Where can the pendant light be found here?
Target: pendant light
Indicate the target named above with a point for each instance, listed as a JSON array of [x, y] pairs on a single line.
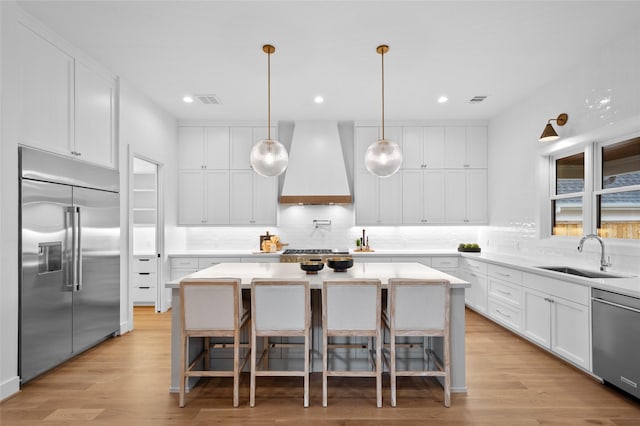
[[383, 157], [269, 157]]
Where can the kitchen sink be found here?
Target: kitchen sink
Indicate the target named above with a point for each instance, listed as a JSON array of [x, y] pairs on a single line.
[[581, 272]]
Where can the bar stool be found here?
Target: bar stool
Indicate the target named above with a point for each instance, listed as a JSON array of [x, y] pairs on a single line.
[[280, 308], [211, 308], [420, 308], [351, 308]]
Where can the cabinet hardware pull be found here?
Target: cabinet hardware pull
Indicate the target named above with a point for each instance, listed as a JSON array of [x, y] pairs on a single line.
[[606, 302], [144, 273], [143, 260], [508, 293], [145, 287], [502, 313], [503, 275]]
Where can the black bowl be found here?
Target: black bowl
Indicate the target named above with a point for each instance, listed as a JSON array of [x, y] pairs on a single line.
[[340, 264], [311, 266]]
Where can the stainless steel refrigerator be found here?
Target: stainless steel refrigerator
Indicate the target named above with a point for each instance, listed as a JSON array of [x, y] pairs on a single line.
[[70, 259]]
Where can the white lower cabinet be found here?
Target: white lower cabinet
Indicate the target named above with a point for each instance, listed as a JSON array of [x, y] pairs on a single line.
[[556, 316], [505, 296], [475, 273], [144, 286]]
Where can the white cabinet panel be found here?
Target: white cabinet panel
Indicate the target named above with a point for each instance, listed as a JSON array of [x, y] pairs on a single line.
[[477, 147], [190, 199], [264, 200], [190, 148], [216, 153], [365, 136], [422, 197], [46, 94], [390, 199], [455, 147], [455, 196], [241, 142], [433, 154], [423, 147], [537, 317], [412, 148], [433, 196], [366, 199], [94, 117], [378, 200], [570, 331], [216, 195], [184, 263], [241, 198]]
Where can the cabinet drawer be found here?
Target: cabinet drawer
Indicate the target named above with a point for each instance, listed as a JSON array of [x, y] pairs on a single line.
[[184, 262], [505, 291], [570, 291], [144, 279], [144, 264], [505, 314], [144, 295], [205, 262], [444, 262], [474, 265], [505, 274], [180, 273]]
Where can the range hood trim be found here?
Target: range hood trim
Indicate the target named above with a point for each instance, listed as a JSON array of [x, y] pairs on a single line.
[[316, 199]]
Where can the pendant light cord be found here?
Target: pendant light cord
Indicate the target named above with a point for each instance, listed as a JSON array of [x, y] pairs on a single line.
[[269, 96], [382, 54]]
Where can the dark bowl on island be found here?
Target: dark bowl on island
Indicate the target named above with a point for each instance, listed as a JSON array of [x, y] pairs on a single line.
[[340, 264], [312, 266]]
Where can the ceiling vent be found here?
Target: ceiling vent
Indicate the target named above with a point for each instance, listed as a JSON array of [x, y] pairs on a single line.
[[208, 99], [477, 99]]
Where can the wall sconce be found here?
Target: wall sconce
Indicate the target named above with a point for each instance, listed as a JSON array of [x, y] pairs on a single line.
[[549, 133]]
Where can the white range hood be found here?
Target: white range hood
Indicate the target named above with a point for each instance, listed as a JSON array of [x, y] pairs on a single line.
[[316, 173]]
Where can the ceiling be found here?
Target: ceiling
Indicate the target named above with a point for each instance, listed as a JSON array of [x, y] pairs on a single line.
[[503, 50]]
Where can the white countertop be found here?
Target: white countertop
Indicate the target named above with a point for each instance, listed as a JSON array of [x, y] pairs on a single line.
[[361, 270], [244, 253], [629, 286]]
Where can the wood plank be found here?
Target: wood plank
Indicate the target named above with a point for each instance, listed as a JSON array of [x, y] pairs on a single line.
[[125, 381]]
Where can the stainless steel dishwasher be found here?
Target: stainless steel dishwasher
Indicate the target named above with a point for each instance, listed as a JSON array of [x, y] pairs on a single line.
[[616, 339]]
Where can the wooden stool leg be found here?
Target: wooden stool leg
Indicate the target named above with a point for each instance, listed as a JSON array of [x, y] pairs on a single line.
[[183, 367], [392, 368], [252, 384], [379, 369], [324, 370], [307, 353]]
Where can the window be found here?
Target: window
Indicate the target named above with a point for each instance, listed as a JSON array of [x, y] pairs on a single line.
[[567, 199], [618, 190], [597, 190]]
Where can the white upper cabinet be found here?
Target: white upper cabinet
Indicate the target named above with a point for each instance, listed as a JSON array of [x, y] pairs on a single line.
[[466, 196], [242, 139], [66, 106], [423, 147], [378, 200], [253, 198], [94, 112], [203, 148], [466, 147], [422, 197], [46, 94]]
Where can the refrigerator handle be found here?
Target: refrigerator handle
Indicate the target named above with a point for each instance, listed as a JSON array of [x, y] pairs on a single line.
[[69, 275], [78, 254]]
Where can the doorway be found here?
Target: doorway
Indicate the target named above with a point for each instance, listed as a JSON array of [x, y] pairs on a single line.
[[147, 235]]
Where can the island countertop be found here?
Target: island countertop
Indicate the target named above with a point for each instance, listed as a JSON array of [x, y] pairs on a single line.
[[382, 271]]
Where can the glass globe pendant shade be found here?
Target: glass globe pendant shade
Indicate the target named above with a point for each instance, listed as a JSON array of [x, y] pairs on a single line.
[[383, 158], [269, 158]]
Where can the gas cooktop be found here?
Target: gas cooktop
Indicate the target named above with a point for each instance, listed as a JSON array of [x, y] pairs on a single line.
[[315, 251]]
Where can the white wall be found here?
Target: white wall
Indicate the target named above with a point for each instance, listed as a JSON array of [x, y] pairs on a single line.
[[517, 167], [145, 127], [9, 381], [150, 132]]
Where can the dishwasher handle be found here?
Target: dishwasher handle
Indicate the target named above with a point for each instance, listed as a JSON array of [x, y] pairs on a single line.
[[617, 305]]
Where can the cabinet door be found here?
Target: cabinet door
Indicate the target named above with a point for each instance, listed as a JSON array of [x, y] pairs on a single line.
[[46, 94], [390, 199], [191, 148], [455, 147], [365, 136], [216, 147], [241, 141], [433, 147], [570, 331], [479, 286], [455, 196], [217, 197], [366, 198], [265, 200], [412, 138], [433, 193], [537, 317], [94, 124], [477, 147], [412, 197], [191, 200], [241, 197], [476, 196]]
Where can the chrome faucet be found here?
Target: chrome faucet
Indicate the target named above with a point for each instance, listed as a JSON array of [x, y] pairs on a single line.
[[603, 263]]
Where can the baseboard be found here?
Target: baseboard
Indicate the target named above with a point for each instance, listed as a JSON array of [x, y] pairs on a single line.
[[9, 388]]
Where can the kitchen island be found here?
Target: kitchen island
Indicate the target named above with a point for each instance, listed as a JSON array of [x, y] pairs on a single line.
[[382, 271]]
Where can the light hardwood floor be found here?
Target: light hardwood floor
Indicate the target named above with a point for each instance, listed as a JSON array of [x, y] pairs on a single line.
[[125, 381]]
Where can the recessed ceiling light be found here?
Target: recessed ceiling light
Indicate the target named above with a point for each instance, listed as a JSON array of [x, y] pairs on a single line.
[[318, 99], [442, 99], [188, 99]]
